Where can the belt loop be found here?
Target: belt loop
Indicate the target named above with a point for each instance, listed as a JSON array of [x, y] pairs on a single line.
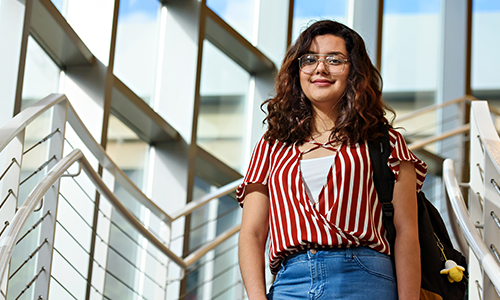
[[349, 253]]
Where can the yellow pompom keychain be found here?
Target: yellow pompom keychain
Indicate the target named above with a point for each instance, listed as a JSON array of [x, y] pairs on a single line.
[[455, 272]]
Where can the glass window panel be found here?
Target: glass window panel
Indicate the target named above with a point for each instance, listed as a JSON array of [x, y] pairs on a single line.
[[59, 4], [410, 52], [41, 76], [239, 14], [305, 11], [485, 44], [131, 264], [410, 61], [92, 21], [137, 46], [222, 117]]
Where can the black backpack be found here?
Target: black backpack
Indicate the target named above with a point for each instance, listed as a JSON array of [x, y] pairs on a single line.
[[433, 235]]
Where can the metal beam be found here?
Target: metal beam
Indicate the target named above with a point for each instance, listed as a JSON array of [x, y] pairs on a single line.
[[139, 116], [235, 46], [51, 30]]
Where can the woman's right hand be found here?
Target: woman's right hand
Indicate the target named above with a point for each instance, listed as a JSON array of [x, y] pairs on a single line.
[[252, 240]]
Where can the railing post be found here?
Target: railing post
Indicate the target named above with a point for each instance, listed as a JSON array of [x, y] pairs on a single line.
[[50, 200], [12, 156]]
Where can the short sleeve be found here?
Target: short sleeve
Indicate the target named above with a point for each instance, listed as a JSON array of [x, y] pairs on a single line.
[[258, 169], [400, 152]]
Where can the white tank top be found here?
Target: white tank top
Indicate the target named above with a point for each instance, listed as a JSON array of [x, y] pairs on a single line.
[[314, 174]]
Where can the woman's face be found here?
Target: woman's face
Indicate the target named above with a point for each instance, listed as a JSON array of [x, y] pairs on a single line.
[[322, 87]]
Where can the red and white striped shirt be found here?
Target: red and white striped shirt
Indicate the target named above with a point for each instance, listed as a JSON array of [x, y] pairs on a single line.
[[348, 213]]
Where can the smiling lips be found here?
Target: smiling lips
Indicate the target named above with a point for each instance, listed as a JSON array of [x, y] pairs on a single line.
[[322, 82]]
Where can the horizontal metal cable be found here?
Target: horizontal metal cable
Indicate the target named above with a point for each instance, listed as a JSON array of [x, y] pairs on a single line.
[[6, 224], [10, 192], [42, 141], [227, 212], [105, 270], [431, 126], [494, 250], [88, 283], [226, 289], [204, 243], [39, 169], [64, 288], [33, 227], [210, 280], [135, 267], [480, 142], [198, 266], [206, 222], [78, 272], [83, 190], [29, 258], [71, 146], [114, 250], [75, 210], [114, 224], [8, 167], [30, 283], [495, 218]]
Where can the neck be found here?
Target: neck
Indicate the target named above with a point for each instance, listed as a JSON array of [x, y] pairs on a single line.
[[324, 119]]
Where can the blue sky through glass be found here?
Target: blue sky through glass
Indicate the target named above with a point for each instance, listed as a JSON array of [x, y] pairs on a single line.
[[318, 8], [145, 8], [485, 5], [398, 7]]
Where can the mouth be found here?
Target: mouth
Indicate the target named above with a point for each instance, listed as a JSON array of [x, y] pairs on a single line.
[[322, 82]]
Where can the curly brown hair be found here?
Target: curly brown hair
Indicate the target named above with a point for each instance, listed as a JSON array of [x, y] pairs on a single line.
[[361, 111]]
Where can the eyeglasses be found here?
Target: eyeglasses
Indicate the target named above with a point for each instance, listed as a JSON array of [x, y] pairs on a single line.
[[333, 63]]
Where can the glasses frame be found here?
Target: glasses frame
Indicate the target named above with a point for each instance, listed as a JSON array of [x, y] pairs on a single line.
[[327, 66]]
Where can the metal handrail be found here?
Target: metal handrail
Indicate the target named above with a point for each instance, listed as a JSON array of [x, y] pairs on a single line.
[[25, 117], [10, 237], [484, 256], [430, 108], [432, 139]]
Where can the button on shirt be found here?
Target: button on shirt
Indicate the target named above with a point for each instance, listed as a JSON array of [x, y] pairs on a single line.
[[347, 214]]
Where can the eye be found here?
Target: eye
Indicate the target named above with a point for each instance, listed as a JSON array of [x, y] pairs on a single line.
[[309, 59], [334, 60]]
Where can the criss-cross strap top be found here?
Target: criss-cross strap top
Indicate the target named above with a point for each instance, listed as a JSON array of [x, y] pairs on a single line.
[[327, 145]]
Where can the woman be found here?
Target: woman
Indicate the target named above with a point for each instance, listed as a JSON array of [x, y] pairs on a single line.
[[309, 184]]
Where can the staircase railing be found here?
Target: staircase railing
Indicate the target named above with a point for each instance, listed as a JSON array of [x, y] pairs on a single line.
[[41, 207], [479, 222]]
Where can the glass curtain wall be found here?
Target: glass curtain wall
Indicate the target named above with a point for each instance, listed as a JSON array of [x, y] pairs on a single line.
[[410, 72], [239, 14], [222, 117], [485, 78], [137, 43], [306, 11], [216, 275], [41, 78]]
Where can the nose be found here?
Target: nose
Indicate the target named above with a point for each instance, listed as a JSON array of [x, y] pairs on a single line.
[[322, 67]]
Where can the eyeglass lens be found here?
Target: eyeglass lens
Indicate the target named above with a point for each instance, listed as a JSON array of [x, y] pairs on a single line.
[[309, 63]]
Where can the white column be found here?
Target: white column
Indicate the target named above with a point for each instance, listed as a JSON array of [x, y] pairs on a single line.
[[11, 31], [452, 72], [363, 18]]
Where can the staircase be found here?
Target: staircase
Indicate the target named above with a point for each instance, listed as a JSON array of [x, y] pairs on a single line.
[[58, 240]]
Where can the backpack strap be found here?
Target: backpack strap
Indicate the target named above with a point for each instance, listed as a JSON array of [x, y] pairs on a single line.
[[383, 178]]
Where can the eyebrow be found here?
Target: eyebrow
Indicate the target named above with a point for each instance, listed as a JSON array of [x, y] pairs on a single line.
[[329, 53]]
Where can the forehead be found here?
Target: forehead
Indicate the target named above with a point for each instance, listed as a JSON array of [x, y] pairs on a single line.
[[328, 43]]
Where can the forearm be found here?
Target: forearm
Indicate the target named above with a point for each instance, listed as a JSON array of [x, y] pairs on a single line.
[[407, 257], [251, 259]]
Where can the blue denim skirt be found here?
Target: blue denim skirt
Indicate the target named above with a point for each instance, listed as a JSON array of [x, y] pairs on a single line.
[[349, 273]]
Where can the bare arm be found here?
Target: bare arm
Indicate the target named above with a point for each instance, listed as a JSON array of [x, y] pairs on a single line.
[[252, 240], [407, 250]]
